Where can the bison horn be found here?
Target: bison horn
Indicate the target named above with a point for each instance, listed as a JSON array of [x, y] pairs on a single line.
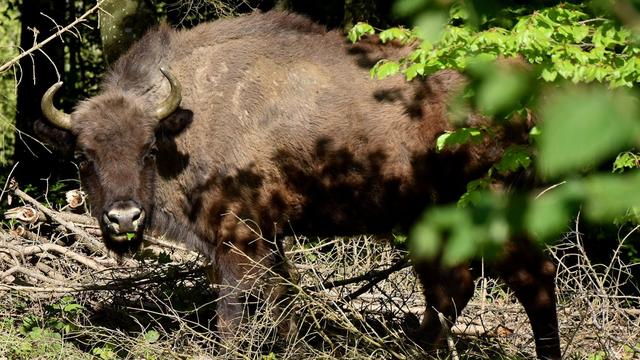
[[57, 117], [172, 102]]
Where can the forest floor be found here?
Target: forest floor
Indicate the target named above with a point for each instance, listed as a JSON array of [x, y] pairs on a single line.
[[63, 296]]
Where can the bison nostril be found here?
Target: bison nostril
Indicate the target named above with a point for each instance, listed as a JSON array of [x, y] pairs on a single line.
[[123, 219], [135, 214]]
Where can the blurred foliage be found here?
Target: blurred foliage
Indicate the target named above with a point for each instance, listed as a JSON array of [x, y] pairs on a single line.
[[580, 76], [9, 40]]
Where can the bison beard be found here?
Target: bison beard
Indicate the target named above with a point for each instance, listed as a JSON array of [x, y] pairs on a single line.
[[272, 119]]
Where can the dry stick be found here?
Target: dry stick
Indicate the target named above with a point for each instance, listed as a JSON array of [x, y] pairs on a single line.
[[117, 284], [38, 46], [89, 241], [373, 277], [79, 219], [49, 271], [30, 235], [450, 343], [35, 249], [38, 276], [376, 276]]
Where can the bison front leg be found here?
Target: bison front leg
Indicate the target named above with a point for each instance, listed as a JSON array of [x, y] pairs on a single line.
[[252, 278], [447, 292], [227, 274], [247, 284]]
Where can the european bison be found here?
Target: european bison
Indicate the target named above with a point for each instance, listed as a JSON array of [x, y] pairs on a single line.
[[244, 129]]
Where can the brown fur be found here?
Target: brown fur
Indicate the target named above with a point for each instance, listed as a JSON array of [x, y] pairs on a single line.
[[281, 124]]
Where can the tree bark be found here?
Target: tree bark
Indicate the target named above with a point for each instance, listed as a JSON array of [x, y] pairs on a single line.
[[122, 22]]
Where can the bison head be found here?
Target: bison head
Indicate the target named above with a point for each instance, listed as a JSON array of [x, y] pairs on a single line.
[[115, 147]]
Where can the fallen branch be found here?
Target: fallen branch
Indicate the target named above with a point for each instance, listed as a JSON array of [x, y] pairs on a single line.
[[88, 240], [36, 249]]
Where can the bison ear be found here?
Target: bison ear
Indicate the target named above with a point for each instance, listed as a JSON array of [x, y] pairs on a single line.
[[62, 141], [175, 123]]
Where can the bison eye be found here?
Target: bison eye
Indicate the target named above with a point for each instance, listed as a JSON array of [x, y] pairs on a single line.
[[81, 160], [152, 153]]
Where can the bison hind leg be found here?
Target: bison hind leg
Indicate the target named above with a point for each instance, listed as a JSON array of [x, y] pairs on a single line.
[[531, 276]]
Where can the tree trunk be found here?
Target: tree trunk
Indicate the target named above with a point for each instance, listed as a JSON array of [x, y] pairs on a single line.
[[122, 22], [39, 72]]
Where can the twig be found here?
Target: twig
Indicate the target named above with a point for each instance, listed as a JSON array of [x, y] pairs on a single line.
[[38, 46], [450, 344], [373, 277], [376, 276]]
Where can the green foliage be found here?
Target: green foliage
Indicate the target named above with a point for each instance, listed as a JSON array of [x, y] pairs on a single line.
[[105, 352], [579, 127], [41, 335], [583, 126], [151, 336], [9, 41], [566, 41], [59, 317], [396, 33]]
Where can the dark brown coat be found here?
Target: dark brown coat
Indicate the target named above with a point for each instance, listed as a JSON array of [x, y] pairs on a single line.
[[281, 125]]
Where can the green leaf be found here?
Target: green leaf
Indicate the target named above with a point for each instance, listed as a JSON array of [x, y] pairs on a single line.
[[72, 308], [548, 215], [514, 158], [474, 189], [608, 196], [414, 70], [582, 126], [430, 232], [425, 240], [385, 68], [501, 91], [406, 8], [548, 75], [151, 336], [395, 33], [579, 33], [430, 25], [461, 245], [458, 137], [130, 235], [626, 160], [359, 30]]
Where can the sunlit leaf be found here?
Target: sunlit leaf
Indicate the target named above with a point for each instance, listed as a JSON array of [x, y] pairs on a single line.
[[608, 196], [626, 160], [458, 137], [549, 215], [151, 336], [395, 33], [430, 25], [359, 30], [584, 125], [384, 69]]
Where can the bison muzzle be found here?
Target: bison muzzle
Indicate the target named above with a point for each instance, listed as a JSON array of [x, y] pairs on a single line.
[[245, 129]]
